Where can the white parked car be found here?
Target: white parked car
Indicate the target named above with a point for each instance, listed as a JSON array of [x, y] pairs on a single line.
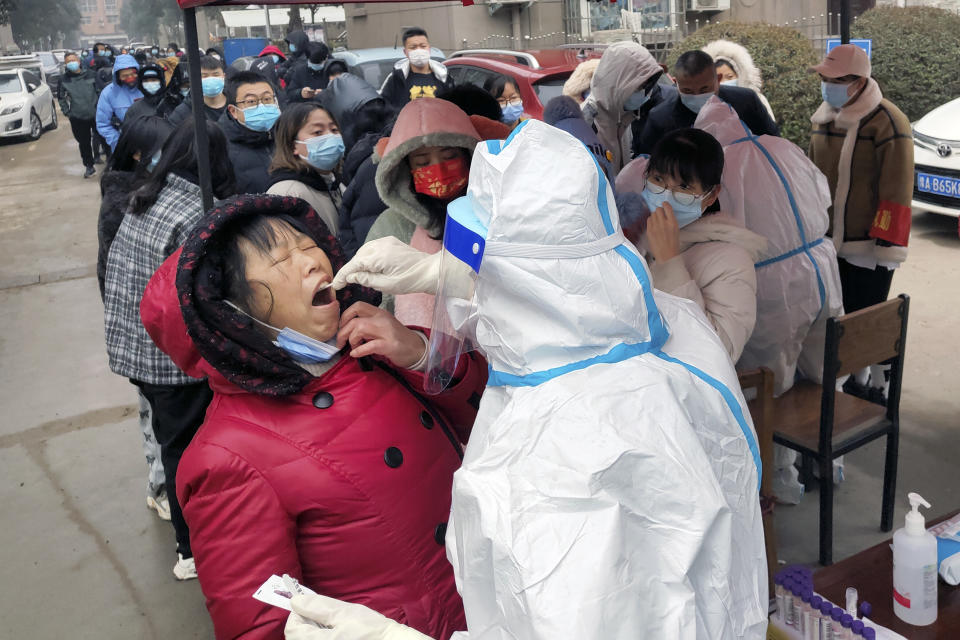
[[27, 105], [936, 157]]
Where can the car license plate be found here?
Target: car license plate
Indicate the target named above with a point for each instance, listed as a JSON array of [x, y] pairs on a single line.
[[938, 185]]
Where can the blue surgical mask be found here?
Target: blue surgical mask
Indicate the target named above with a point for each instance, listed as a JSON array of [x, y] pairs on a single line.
[[155, 51], [695, 102], [212, 87], [153, 161], [835, 94], [636, 100], [275, 58], [185, 92], [300, 347], [315, 66], [512, 112], [293, 47], [731, 83], [684, 213], [324, 152], [73, 67], [103, 53], [261, 117], [151, 86]]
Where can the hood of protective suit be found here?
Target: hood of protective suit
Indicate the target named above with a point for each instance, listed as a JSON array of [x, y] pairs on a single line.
[[425, 122], [739, 59], [798, 284], [623, 69], [612, 470], [124, 61]]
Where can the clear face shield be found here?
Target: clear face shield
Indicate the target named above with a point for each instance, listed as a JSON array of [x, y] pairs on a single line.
[[454, 317]]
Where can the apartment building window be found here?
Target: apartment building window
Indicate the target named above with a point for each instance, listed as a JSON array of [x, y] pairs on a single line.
[[110, 5], [85, 20], [88, 6], [112, 17]]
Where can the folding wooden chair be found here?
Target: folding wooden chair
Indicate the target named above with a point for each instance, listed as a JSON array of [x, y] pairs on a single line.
[[761, 410], [822, 423]]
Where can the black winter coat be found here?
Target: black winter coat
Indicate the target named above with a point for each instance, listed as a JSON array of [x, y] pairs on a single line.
[[184, 111], [250, 152], [672, 115], [301, 76], [115, 189], [361, 205], [77, 94]]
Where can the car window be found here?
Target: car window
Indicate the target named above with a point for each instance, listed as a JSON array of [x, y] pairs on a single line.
[[467, 74], [10, 83], [374, 72], [28, 77], [549, 89]]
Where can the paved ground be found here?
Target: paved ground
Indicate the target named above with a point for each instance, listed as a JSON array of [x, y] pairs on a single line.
[[84, 558]]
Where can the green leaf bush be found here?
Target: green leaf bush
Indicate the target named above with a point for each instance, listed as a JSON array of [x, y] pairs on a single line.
[[916, 55], [783, 56]]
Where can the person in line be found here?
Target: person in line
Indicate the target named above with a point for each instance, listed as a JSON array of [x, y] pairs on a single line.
[[162, 211], [864, 145], [695, 253], [308, 78], [623, 91], [564, 113], [117, 98], [736, 68], [484, 110], [697, 81], [424, 164], [577, 86], [212, 81], [139, 144], [268, 65], [610, 487], [216, 52], [173, 49], [504, 89], [77, 95], [157, 100], [307, 460], [415, 75], [252, 112], [298, 43], [309, 149]]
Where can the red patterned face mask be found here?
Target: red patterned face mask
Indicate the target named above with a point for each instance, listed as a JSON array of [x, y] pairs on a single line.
[[443, 181]]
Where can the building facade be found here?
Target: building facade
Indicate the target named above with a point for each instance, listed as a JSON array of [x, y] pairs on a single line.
[[100, 22]]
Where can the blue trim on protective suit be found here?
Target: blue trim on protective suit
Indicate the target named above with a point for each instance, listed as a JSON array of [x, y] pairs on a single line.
[[804, 245], [789, 254], [496, 146], [619, 353], [732, 404]]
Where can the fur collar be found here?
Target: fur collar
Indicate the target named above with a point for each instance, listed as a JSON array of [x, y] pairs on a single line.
[[438, 69]]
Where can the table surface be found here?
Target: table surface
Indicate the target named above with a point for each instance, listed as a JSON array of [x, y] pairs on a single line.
[[871, 572]]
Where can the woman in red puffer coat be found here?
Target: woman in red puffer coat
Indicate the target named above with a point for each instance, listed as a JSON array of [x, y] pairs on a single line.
[[338, 473]]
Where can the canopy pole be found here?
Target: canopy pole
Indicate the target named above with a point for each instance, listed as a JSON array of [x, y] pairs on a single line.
[[196, 100], [844, 21]]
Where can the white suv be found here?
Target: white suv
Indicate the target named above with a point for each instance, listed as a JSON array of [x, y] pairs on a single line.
[[936, 156], [27, 106]]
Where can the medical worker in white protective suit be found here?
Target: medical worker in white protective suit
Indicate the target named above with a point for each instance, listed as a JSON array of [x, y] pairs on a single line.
[[609, 489]]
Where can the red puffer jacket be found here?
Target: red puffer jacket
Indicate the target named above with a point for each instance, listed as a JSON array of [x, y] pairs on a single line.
[[344, 485]]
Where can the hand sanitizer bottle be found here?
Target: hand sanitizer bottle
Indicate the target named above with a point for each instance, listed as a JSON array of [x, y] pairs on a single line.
[[915, 568]]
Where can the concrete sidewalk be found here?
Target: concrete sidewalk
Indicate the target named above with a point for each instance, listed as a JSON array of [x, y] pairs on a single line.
[[82, 555]]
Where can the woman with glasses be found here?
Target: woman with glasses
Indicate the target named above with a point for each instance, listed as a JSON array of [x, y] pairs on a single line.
[[694, 252], [252, 112], [507, 93]]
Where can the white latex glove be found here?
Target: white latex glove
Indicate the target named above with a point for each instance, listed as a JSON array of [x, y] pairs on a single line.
[[391, 266], [345, 621]]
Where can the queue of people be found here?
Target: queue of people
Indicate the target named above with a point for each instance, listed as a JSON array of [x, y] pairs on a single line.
[[444, 364]]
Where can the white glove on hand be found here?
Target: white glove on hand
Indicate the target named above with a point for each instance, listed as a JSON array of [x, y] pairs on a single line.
[[391, 266], [346, 621]]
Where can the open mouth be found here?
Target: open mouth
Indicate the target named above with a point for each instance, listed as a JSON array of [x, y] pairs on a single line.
[[324, 296]]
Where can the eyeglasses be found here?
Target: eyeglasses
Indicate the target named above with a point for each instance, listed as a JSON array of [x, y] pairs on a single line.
[[516, 102], [681, 197], [253, 102]]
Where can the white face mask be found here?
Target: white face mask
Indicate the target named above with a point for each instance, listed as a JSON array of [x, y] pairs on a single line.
[[419, 57]]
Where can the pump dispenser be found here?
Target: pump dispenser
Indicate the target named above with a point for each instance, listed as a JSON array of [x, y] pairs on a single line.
[[915, 568]]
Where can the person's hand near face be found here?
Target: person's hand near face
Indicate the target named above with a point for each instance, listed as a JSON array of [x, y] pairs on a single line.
[[371, 331], [663, 234]]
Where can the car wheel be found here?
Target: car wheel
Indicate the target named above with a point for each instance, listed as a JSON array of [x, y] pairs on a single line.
[[36, 127], [53, 117]]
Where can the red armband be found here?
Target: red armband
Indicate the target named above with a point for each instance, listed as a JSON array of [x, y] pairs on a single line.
[[892, 223]]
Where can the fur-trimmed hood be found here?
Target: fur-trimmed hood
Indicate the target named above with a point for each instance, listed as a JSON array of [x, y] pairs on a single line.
[[422, 123], [739, 59], [579, 81]]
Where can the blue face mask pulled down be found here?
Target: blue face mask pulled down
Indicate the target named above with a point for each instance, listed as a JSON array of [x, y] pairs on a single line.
[[695, 102], [835, 94], [261, 117], [212, 87], [324, 152], [302, 348], [512, 112], [684, 213]]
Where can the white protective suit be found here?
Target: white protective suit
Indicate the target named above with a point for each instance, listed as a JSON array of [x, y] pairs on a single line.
[[771, 186], [609, 489]]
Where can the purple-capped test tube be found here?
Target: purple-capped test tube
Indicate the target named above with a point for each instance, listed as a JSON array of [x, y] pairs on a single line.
[[865, 609], [869, 633]]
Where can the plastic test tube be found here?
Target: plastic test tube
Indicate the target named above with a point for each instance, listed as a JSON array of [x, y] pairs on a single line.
[[869, 633], [778, 590], [865, 609], [814, 630], [852, 602], [847, 621], [836, 614], [826, 622], [806, 617], [788, 602], [798, 590], [856, 629]]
